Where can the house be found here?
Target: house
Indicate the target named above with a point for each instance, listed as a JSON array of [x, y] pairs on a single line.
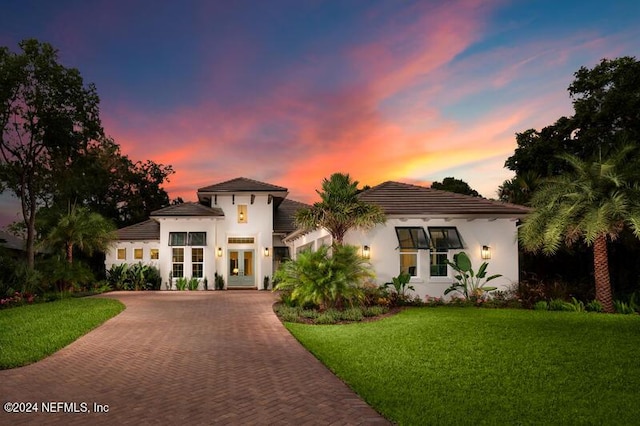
[[242, 229]]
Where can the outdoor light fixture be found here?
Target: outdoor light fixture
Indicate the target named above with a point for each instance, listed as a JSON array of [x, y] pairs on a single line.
[[219, 251], [241, 215], [366, 252], [486, 252], [266, 252]]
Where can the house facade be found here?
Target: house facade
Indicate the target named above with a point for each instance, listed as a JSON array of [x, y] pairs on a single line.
[[243, 229]]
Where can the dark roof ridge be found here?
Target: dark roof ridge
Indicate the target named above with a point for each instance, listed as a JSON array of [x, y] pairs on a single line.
[[242, 179]]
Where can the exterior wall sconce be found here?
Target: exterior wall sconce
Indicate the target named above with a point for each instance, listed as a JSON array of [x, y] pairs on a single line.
[[266, 252], [366, 252], [219, 252], [485, 253]]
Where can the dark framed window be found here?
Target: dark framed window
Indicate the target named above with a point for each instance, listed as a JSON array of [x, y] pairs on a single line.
[[281, 254], [412, 238], [445, 238], [177, 238], [197, 238]]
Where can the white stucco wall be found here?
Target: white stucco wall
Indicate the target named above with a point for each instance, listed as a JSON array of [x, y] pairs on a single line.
[[259, 226], [146, 246], [188, 224], [498, 234]]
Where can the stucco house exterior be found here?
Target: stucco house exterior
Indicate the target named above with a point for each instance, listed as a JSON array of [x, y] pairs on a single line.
[[242, 229]]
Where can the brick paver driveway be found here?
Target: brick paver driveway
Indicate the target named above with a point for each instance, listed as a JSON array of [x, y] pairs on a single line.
[[187, 358]]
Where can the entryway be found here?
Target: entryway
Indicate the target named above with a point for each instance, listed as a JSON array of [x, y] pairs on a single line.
[[242, 268]]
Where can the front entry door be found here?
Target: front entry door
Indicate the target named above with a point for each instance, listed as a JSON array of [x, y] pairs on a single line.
[[241, 268]]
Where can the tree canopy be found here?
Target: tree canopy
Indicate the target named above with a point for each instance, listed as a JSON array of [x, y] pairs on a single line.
[[46, 115], [53, 151], [606, 103], [458, 186]]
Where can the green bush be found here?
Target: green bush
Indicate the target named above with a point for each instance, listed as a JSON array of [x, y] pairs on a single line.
[[623, 308], [181, 283], [541, 305], [327, 281], [594, 306], [330, 316], [134, 277], [352, 314], [373, 311], [193, 283]]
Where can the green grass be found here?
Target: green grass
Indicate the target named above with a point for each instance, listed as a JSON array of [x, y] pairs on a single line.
[[30, 333], [484, 366]]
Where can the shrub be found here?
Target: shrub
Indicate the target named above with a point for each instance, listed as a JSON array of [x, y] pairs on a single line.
[[323, 280], [288, 313], [561, 305], [433, 301], [352, 314], [218, 281], [193, 283], [134, 277], [541, 305], [330, 316], [594, 306], [181, 283], [373, 311], [623, 308]]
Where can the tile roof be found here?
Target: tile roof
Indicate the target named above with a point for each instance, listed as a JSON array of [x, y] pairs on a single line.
[[242, 184], [283, 220], [397, 198], [188, 209], [147, 230]]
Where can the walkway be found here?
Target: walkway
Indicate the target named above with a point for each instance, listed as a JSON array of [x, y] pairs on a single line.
[[186, 358]]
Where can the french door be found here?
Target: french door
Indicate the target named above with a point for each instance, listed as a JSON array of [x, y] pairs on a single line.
[[241, 268]]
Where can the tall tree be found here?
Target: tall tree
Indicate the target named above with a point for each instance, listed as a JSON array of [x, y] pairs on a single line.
[[340, 209], [606, 103], [458, 186], [82, 229], [46, 113], [594, 203]]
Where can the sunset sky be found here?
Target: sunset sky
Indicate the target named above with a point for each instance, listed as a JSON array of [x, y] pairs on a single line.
[[288, 92]]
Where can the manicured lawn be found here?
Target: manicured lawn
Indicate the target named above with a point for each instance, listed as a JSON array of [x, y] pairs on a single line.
[[30, 333], [472, 366]]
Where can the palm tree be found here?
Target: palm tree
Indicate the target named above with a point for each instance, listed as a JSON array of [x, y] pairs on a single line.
[[83, 229], [339, 209], [593, 204]]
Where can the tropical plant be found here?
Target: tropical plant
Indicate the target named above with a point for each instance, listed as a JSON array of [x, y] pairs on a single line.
[[469, 282], [117, 276], [623, 308], [83, 229], [323, 280], [181, 283], [193, 283], [340, 209], [592, 204], [593, 306], [134, 277], [400, 284]]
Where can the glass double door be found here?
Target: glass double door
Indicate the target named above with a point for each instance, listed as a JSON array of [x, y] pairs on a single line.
[[241, 268]]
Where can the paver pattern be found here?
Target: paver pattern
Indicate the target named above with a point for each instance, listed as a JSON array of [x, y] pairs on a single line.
[[187, 358]]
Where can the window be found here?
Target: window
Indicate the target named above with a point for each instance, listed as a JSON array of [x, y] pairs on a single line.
[[240, 240], [177, 269], [242, 213], [197, 262], [137, 253], [190, 239], [445, 238], [154, 254], [177, 238], [280, 254], [197, 238], [411, 239], [442, 240], [122, 254]]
